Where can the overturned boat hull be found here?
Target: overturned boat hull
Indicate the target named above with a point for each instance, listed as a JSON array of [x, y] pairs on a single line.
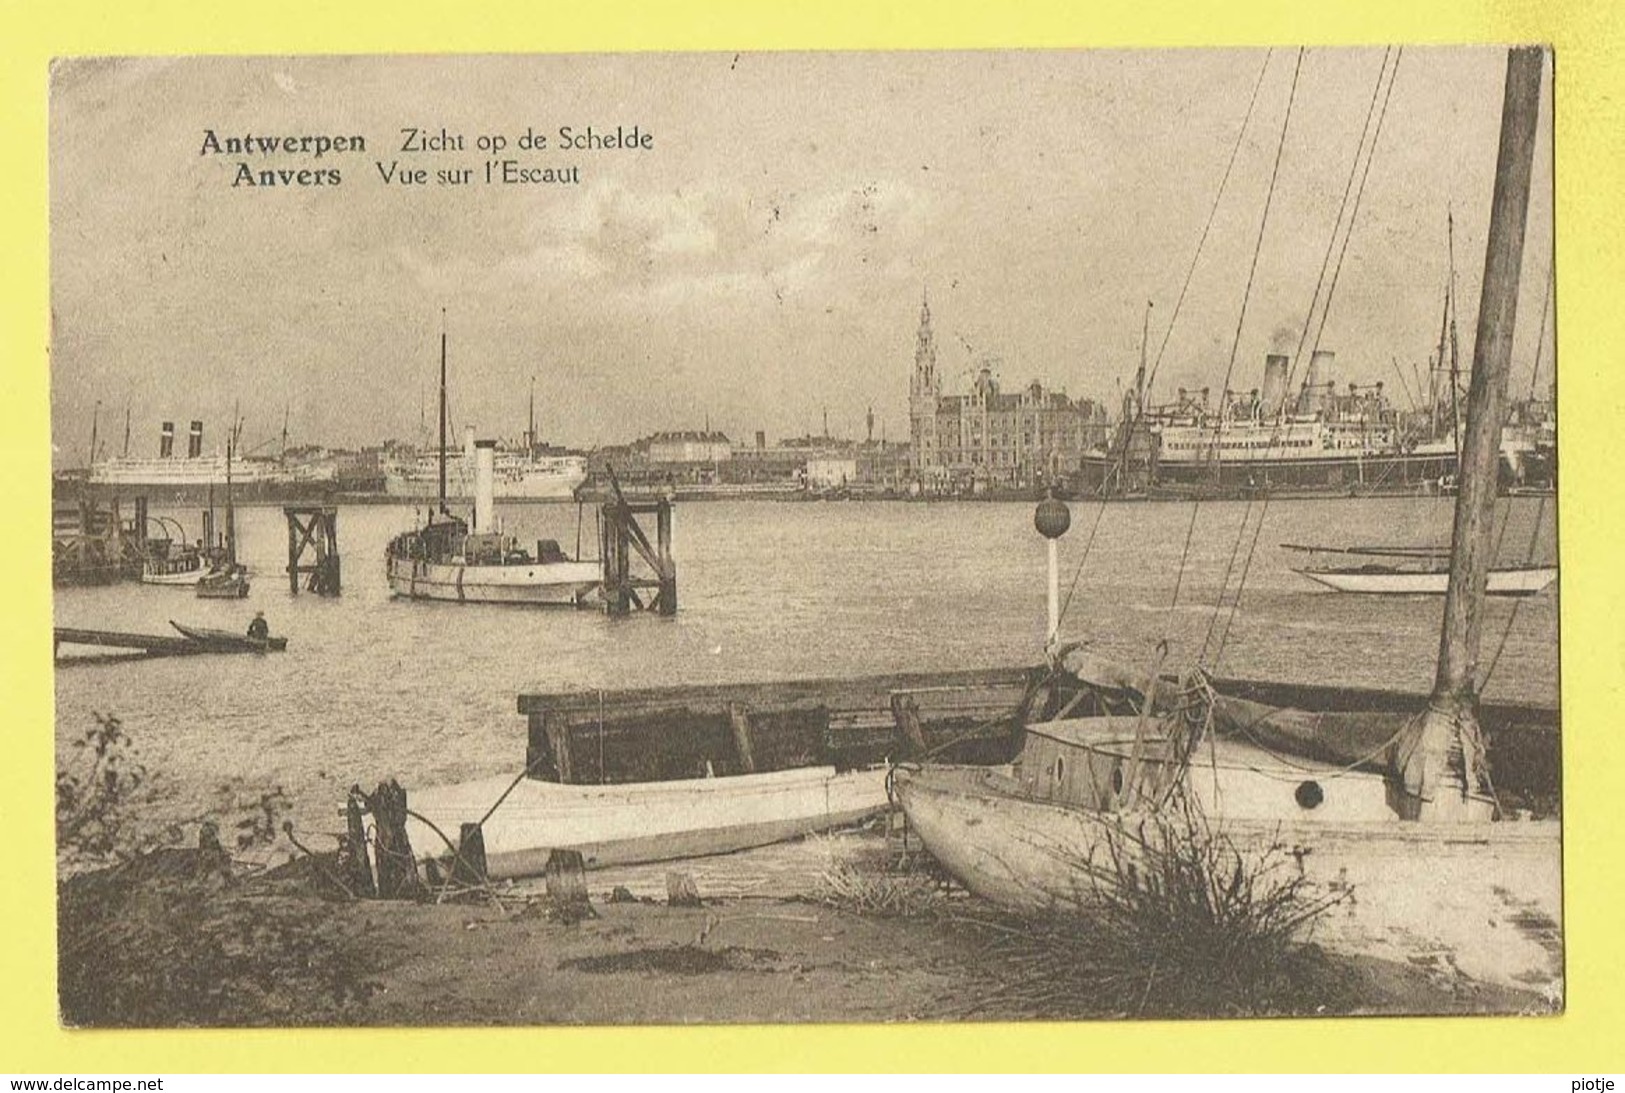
[[641, 822]]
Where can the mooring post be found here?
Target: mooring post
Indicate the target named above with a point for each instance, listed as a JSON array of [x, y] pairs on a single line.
[[469, 866], [397, 868], [668, 565], [319, 529], [293, 552]]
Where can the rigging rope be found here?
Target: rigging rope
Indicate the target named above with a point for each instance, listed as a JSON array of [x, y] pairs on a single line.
[[1217, 197], [1540, 510], [1190, 273], [1241, 318], [1512, 616], [1354, 212]]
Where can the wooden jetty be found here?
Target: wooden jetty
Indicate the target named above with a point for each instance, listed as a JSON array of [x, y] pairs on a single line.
[[191, 641], [92, 544]]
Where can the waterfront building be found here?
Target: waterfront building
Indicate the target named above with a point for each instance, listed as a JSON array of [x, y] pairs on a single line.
[[990, 437], [689, 447]]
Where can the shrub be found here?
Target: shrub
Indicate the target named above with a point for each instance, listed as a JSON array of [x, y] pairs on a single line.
[[1184, 923], [95, 797]]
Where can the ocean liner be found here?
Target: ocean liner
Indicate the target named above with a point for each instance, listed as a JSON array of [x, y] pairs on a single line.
[[191, 478]]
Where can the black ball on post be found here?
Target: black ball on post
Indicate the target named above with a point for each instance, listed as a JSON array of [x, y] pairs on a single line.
[[1052, 518]]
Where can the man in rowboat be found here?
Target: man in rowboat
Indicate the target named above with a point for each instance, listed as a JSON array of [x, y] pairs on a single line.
[[259, 629]]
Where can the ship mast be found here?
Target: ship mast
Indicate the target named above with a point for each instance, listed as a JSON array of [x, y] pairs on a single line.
[[443, 411], [1438, 367], [94, 414], [231, 510], [530, 433], [1442, 762]]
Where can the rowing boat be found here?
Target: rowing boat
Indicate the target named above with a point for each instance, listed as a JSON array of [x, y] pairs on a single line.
[[226, 640]]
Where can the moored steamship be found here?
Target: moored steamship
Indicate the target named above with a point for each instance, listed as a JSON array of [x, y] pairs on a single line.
[[1266, 439]]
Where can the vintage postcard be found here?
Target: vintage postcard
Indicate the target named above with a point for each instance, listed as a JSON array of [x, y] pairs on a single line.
[[805, 537]]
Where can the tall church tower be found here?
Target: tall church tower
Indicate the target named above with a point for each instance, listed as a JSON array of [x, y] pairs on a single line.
[[923, 391]]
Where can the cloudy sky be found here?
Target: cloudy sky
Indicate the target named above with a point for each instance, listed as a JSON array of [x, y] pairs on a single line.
[[764, 260]]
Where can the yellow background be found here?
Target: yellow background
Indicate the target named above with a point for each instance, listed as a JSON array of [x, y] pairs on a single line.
[[1590, 94]]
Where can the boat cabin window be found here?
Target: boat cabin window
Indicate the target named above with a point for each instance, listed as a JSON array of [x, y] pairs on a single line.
[[1309, 795]]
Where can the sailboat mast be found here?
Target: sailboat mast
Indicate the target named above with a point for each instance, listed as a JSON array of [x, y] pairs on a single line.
[[442, 410], [530, 433], [94, 414], [127, 423], [1455, 354], [1479, 460]]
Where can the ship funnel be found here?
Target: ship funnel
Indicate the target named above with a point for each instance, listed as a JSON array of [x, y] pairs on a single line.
[[166, 440], [485, 475], [1320, 370], [194, 440], [1276, 366]]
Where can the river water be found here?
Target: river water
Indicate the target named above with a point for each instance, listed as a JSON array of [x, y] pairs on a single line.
[[372, 686]]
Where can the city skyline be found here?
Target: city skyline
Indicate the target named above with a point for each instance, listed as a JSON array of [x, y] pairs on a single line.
[[754, 265]]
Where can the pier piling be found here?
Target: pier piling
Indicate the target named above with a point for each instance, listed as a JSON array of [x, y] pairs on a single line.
[[317, 528], [620, 536]]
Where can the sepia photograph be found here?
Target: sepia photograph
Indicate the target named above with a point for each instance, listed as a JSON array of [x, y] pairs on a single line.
[[805, 537]]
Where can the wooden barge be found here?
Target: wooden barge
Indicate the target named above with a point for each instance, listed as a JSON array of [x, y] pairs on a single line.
[[974, 716]]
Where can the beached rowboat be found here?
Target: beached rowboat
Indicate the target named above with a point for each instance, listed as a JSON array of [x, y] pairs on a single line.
[[639, 822], [230, 641]]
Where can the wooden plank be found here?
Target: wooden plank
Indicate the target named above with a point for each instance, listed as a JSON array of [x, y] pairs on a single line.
[[558, 736], [872, 692], [739, 719], [151, 642]]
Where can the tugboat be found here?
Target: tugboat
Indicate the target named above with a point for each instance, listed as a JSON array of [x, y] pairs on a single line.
[[447, 559]]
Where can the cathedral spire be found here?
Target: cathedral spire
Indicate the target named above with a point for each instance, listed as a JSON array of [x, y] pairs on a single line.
[[925, 352]]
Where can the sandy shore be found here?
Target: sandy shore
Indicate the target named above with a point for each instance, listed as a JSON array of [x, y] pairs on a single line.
[[182, 939]]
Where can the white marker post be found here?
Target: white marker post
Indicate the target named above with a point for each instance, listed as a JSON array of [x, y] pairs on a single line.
[[1052, 519]]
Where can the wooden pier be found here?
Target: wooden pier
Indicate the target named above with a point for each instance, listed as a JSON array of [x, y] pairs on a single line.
[[620, 537], [316, 528], [91, 544]]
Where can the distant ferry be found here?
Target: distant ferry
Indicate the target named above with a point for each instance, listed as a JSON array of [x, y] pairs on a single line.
[[519, 475]]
